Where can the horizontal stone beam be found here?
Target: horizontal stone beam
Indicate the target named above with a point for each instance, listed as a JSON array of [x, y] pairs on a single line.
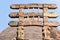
[[32, 23], [35, 6], [13, 23], [14, 15], [30, 15]]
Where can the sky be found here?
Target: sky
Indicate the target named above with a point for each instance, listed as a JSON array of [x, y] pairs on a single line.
[[5, 10]]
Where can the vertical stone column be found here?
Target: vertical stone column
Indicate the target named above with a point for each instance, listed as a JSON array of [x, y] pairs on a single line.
[[28, 10], [33, 9], [46, 32], [20, 27], [38, 9], [38, 16]]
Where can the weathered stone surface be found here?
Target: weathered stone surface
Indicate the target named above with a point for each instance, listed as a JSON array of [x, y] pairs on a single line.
[[31, 33], [55, 33], [26, 15], [26, 6], [8, 34]]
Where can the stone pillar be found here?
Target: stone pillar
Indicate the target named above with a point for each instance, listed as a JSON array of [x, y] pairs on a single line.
[[21, 28], [46, 32]]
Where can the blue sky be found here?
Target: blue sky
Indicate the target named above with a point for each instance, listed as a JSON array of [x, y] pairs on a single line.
[[5, 10]]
